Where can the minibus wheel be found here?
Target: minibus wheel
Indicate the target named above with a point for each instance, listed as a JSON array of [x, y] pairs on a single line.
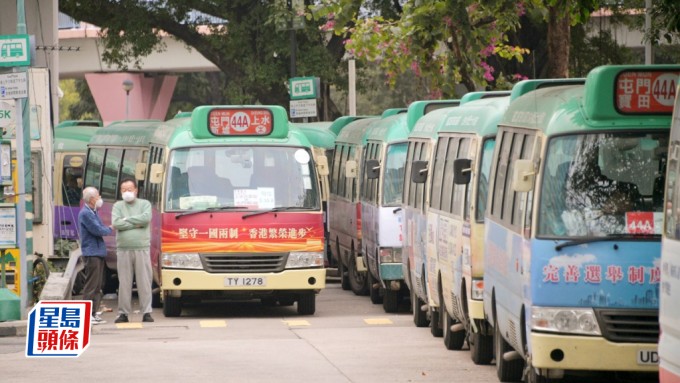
[[391, 301], [419, 316], [507, 371], [373, 292], [306, 303], [357, 280], [481, 348], [453, 340], [172, 307]]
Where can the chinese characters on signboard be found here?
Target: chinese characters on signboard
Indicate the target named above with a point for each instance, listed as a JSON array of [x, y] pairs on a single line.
[[645, 92], [240, 122], [58, 328]]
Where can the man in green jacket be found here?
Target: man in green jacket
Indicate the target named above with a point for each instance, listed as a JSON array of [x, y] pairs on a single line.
[[131, 218]]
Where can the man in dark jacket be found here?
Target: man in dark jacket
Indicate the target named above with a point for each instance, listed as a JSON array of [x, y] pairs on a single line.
[[93, 248]]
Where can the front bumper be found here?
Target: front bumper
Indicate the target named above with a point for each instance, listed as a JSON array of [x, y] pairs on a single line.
[[588, 353], [302, 279]]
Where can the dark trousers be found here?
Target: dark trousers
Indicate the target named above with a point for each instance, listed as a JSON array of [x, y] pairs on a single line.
[[94, 275]]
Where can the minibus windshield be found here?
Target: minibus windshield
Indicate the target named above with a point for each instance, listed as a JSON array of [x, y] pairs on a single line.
[[250, 178], [598, 185]]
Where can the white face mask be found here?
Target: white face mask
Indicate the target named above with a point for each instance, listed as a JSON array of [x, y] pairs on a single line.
[[128, 196], [99, 203]]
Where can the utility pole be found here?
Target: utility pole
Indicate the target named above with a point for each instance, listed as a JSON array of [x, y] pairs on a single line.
[[649, 55], [24, 181]]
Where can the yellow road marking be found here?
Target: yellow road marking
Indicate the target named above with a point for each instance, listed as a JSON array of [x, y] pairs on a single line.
[[377, 321], [292, 323], [128, 326], [213, 323]]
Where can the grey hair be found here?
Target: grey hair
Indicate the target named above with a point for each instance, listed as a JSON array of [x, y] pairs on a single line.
[[89, 192]]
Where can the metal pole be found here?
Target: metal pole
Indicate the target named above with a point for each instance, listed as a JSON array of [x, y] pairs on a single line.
[[649, 56], [127, 104], [352, 93], [24, 181]]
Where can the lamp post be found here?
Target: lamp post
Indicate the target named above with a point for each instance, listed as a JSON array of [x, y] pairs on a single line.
[[127, 87]]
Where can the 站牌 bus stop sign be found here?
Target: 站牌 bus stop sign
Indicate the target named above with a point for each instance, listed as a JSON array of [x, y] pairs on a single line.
[[14, 51]]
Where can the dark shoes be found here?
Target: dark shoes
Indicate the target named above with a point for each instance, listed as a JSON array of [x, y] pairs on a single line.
[[123, 318]]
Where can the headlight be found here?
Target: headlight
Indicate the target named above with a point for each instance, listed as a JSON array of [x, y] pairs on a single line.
[[478, 289], [300, 259], [390, 255], [565, 320], [181, 260]]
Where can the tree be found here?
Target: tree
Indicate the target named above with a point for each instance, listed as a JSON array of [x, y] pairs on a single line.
[[442, 42], [240, 37]]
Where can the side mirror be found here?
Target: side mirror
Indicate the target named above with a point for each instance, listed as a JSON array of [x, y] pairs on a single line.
[[372, 169], [462, 171], [322, 166], [140, 171], [156, 176], [523, 175], [419, 172], [351, 169]]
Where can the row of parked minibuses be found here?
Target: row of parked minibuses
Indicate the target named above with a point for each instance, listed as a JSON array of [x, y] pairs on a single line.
[[526, 223]]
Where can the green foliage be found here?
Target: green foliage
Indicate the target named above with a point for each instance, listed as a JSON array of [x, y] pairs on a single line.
[[441, 42], [77, 103]]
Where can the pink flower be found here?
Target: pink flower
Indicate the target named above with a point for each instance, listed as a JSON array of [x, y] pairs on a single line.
[[415, 68], [488, 70], [448, 21], [521, 11], [328, 26]]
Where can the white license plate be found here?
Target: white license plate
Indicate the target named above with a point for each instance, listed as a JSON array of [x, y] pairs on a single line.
[[647, 357], [245, 281]]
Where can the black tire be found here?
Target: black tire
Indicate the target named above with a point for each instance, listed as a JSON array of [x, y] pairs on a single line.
[[342, 271], [306, 304], [373, 292], [435, 323], [481, 348], [156, 296], [507, 371], [172, 307], [286, 301], [357, 280], [419, 316], [268, 301], [391, 301], [453, 340]]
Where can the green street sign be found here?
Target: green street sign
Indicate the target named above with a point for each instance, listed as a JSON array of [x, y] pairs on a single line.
[[14, 51], [302, 88]]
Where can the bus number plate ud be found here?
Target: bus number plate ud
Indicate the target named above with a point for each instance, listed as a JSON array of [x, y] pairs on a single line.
[[245, 281], [647, 357]]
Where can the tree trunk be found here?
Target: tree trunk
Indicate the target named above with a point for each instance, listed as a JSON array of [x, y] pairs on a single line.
[[558, 42]]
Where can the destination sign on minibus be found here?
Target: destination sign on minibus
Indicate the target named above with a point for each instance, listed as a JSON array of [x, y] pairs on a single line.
[[646, 92], [242, 122]]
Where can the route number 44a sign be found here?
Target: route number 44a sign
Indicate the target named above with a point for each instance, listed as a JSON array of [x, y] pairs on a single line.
[[646, 92], [643, 222]]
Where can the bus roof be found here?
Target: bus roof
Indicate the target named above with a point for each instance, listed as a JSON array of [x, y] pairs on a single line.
[[428, 125], [471, 96], [389, 129], [526, 86], [355, 132], [68, 123], [194, 130], [318, 133], [392, 112], [73, 138], [566, 108], [125, 133], [479, 116], [418, 109], [341, 122]]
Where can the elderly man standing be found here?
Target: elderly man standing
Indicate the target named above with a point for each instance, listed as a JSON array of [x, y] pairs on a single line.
[[131, 218], [93, 248]]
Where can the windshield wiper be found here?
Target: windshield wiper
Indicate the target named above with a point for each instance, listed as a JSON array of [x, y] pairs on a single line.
[[609, 237], [214, 208], [273, 210]]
